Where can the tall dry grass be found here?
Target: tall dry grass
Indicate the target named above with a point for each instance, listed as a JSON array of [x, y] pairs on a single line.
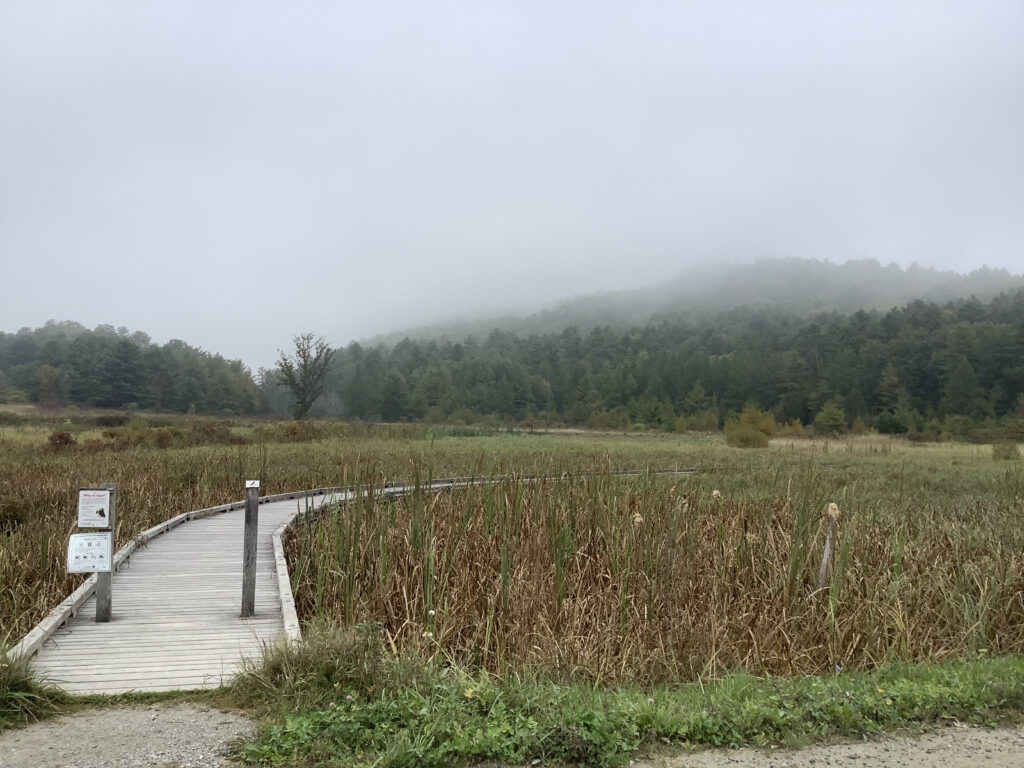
[[653, 579], [38, 486]]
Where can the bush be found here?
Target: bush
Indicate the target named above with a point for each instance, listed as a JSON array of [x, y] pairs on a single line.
[[961, 427], [890, 423], [795, 428], [1005, 452], [744, 436], [831, 419], [705, 421], [762, 421], [10, 419], [60, 440]]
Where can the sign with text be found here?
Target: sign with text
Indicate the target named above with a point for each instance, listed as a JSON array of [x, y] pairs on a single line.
[[90, 552], [93, 508], [252, 483]]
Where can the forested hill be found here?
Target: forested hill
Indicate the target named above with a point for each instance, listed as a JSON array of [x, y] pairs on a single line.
[[799, 286], [65, 362], [892, 369]]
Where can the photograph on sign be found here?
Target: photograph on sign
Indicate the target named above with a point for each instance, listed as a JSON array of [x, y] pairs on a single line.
[[90, 552], [93, 508]]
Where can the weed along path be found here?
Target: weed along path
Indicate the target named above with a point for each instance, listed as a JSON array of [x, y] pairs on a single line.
[[176, 620]]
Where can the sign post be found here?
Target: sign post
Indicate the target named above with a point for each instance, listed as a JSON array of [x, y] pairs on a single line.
[[252, 512], [94, 552]]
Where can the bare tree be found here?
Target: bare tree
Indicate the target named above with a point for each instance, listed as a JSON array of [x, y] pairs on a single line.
[[303, 373]]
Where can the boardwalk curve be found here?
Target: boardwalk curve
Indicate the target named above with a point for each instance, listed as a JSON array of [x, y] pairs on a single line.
[[176, 621], [176, 604]]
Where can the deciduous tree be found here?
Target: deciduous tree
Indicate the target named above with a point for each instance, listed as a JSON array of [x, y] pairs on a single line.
[[303, 372]]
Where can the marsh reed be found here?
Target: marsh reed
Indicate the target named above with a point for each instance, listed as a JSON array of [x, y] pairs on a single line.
[[615, 579]]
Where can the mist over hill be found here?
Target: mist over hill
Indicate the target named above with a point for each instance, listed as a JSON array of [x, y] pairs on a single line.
[[798, 286]]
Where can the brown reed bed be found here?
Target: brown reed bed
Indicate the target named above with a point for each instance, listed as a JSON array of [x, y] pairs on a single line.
[[654, 579], [38, 485]]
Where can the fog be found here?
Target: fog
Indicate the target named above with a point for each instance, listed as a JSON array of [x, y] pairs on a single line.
[[232, 173]]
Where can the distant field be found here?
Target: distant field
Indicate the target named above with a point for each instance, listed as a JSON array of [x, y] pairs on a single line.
[[602, 577]]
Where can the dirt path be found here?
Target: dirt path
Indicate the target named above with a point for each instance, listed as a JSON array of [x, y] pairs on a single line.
[[159, 736], [949, 748]]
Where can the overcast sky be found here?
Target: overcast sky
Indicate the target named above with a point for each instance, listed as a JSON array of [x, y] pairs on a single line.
[[231, 173]]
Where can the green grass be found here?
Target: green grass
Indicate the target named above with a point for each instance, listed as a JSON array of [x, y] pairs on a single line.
[[23, 699], [338, 700]]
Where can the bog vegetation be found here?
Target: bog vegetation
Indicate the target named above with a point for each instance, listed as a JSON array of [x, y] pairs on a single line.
[[626, 579], [657, 578], [556, 612]]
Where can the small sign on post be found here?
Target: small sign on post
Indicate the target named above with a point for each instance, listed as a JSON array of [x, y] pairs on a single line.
[[90, 552], [94, 552], [252, 511]]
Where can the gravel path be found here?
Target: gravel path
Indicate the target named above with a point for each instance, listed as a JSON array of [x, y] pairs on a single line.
[[172, 736], [186, 736], [949, 748]]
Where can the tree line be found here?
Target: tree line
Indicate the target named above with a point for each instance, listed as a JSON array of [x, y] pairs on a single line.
[[66, 363], [897, 371], [956, 364]]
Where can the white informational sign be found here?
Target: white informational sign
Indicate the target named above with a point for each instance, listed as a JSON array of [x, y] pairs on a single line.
[[93, 508], [252, 483], [90, 552]]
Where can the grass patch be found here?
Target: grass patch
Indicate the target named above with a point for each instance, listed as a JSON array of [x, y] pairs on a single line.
[[23, 699], [338, 700]]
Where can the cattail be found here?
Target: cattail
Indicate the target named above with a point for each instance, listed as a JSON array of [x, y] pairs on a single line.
[[826, 558]]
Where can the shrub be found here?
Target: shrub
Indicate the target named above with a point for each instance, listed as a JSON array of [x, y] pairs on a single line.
[[60, 440], [762, 421], [831, 419], [795, 428], [1005, 452], [961, 427], [468, 416], [705, 421], [10, 419], [744, 436], [890, 423]]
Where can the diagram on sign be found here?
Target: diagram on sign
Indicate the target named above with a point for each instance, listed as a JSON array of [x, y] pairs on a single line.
[[93, 508], [90, 552]]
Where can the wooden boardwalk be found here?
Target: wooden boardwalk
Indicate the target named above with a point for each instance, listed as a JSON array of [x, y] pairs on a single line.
[[176, 603]]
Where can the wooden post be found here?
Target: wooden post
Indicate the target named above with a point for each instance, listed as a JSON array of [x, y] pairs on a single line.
[[104, 581], [252, 515]]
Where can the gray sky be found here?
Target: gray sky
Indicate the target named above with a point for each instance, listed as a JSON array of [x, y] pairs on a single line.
[[230, 173]]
